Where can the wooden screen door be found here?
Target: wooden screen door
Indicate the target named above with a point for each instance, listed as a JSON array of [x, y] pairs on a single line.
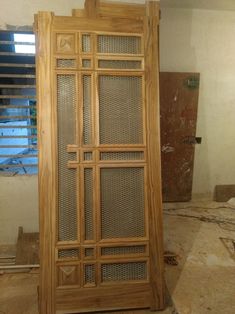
[[99, 159]]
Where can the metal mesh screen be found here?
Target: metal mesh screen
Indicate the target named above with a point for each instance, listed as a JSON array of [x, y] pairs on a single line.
[[86, 43], [120, 106], [119, 64], [89, 252], [68, 253], [88, 203], [124, 271], [122, 202], [86, 63], [89, 274], [122, 156], [87, 112], [87, 156], [119, 44], [123, 250], [66, 63], [67, 204]]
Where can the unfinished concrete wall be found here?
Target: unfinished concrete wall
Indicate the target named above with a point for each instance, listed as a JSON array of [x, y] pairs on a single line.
[[18, 206], [203, 41]]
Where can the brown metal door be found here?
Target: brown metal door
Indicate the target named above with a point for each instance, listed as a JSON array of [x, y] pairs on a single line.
[[178, 106]]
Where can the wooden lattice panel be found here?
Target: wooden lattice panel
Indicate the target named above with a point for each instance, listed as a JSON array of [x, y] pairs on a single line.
[[99, 181]]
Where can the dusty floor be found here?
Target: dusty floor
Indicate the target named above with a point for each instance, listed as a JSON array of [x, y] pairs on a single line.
[[200, 233]]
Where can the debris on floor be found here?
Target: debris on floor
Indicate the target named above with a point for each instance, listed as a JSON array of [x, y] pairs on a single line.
[[25, 257], [199, 236], [231, 202], [170, 258], [27, 248], [229, 245]]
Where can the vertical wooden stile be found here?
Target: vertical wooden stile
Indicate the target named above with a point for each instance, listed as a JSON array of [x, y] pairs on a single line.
[[47, 164], [153, 148]]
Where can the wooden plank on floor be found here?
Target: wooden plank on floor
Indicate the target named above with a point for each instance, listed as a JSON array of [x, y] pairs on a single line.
[[224, 193], [27, 248]]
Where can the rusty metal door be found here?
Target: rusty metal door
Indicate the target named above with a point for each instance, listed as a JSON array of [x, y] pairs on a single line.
[[178, 104]]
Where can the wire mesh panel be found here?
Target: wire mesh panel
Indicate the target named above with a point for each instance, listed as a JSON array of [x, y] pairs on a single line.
[[86, 43], [122, 202], [67, 204], [66, 63], [124, 271], [123, 250], [119, 64], [86, 63], [87, 111], [88, 203], [119, 44], [122, 156], [88, 156], [68, 253], [89, 274], [89, 252], [120, 107]]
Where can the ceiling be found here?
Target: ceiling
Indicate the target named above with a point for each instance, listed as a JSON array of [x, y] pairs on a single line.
[[199, 4]]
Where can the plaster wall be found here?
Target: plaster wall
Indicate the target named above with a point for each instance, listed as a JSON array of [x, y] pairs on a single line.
[[203, 41], [18, 206]]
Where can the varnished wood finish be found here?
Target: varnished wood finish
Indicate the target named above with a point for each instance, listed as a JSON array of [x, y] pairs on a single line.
[[47, 176], [67, 23], [91, 8], [62, 287], [153, 152], [112, 10], [122, 296]]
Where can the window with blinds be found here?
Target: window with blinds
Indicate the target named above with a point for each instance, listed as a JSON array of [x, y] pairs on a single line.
[[18, 114]]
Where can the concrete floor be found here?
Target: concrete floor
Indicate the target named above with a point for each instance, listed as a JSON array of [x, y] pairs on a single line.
[[204, 280]]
